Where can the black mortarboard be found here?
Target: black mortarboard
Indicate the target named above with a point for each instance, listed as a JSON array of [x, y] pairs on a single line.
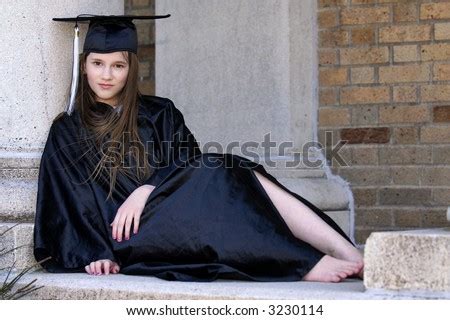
[[105, 34]]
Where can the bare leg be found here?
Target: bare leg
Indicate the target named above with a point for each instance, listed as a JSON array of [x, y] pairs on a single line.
[[341, 257]]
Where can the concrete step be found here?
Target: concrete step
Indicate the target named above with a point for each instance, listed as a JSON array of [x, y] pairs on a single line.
[[84, 286], [414, 261], [398, 265]]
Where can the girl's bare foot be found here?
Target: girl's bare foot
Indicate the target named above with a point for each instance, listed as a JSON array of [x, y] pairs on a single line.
[[330, 269]]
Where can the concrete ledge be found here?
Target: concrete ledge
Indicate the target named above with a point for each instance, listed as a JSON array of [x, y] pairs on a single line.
[[324, 193], [84, 286], [20, 237], [70, 286], [17, 199], [417, 260], [342, 218]]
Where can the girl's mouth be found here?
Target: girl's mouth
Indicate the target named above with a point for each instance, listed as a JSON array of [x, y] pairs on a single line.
[[105, 86]]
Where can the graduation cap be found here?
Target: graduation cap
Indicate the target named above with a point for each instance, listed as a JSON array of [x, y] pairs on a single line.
[[106, 33]]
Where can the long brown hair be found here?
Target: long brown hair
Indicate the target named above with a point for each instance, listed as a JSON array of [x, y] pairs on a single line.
[[113, 128]]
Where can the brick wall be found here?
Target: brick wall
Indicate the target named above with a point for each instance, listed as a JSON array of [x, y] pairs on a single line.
[[384, 69], [146, 51]]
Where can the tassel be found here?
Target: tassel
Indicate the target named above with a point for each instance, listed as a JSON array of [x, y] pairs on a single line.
[[75, 71]]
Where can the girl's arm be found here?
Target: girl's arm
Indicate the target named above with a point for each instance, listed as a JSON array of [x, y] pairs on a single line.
[[130, 213]]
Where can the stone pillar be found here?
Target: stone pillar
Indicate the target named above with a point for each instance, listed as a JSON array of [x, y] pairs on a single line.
[[36, 70], [240, 69]]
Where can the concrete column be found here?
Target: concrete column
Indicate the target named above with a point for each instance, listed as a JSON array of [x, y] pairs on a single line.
[[36, 67], [36, 70], [240, 69]]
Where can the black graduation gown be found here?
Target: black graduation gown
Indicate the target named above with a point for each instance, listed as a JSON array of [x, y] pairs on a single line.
[[209, 218]]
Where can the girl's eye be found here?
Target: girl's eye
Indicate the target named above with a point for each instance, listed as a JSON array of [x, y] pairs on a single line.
[[120, 66], [97, 63]]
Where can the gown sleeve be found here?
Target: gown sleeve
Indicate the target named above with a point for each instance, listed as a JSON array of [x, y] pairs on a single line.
[[68, 226], [180, 144]]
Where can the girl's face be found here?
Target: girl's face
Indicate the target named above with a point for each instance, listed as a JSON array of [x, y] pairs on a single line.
[[107, 74]]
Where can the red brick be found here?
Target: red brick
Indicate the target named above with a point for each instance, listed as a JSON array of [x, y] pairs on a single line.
[[441, 114], [363, 36], [336, 38], [366, 135], [327, 19]]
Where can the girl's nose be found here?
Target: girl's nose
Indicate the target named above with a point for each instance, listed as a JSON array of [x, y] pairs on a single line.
[[106, 74]]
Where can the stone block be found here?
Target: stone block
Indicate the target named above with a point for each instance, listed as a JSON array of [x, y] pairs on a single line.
[[334, 38], [404, 73], [403, 114], [24, 243], [365, 95], [373, 217], [363, 36], [364, 115], [328, 57], [365, 15], [441, 71], [362, 75], [6, 246], [441, 154], [435, 134], [364, 197], [405, 196], [434, 11], [405, 11], [342, 218], [328, 96], [405, 135], [331, 3], [406, 33], [405, 53], [405, 175], [405, 155], [442, 31], [323, 193], [329, 77], [408, 260], [368, 55], [366, 176], [331, 117], [17, 199], [435, 52], [365, 155], [435, 176], [407, 218], [441, 196]]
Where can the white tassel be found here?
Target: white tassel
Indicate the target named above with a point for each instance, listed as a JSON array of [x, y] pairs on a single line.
[[75, 71]]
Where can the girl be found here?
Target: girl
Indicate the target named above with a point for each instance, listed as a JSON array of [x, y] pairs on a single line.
[[123, 187]]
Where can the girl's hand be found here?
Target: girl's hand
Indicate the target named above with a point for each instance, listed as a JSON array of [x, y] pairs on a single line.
[[104, 266], [130, 212]]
